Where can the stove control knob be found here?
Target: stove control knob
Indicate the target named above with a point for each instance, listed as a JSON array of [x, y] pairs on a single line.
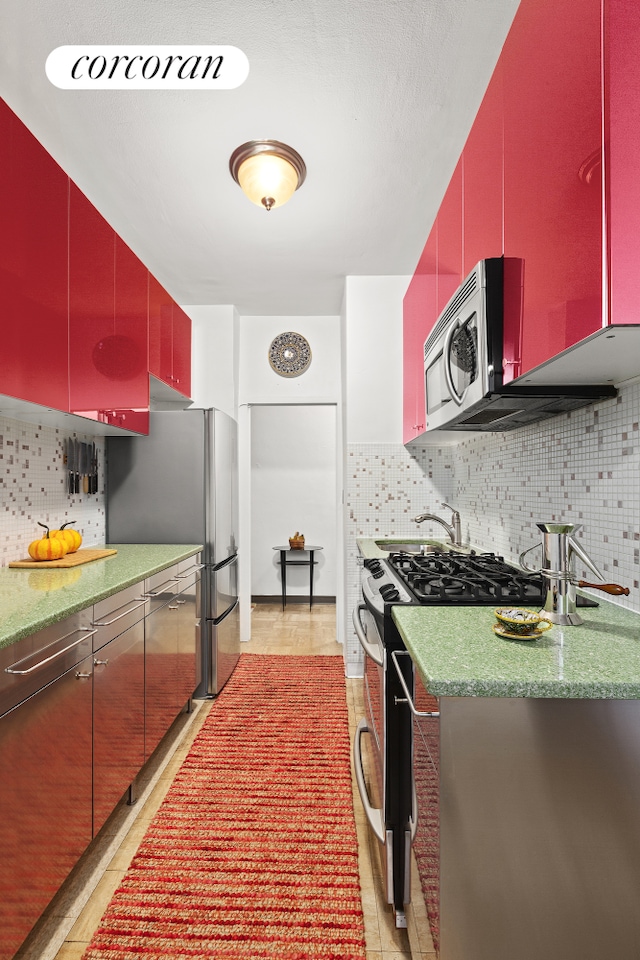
[[390, 592], [377, 573], [372, 564]]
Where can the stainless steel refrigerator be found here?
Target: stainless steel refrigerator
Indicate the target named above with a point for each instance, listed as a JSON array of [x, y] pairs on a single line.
[[179, 485]]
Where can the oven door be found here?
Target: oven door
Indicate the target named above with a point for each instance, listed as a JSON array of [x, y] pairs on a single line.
[[370, 738]]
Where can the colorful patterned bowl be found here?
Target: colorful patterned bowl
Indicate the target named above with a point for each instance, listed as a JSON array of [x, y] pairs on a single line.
[[521, 621]]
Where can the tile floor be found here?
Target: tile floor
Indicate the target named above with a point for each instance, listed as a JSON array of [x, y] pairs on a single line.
[[70, 920]]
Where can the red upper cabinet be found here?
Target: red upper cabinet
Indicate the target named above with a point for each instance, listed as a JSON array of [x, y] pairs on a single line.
[[169, 340], [551, 64], [622, 146], [91, 303], [482, 175], [33, 268], [419, 313], [109, 378], [449, 257], [181, 351], [160, 331]]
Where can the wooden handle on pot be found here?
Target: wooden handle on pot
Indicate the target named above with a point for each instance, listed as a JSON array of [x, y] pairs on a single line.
[[614, 589]]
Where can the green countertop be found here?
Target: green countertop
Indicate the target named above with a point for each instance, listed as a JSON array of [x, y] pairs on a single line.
[[458, 655], [33, 599]]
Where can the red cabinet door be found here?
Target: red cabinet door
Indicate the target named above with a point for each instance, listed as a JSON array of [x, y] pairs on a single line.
[[419, 313], [109, 379], [181, 351], [33, 268], [129, 342], [450, 240], [552, 207], [91, 306], [482, 198], [160, 331], [622, 144]]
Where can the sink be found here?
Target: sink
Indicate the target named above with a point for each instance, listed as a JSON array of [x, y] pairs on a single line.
[[409, 546]]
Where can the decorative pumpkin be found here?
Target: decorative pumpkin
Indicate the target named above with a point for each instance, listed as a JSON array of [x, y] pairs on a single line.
[[71, 537], [47, 548]]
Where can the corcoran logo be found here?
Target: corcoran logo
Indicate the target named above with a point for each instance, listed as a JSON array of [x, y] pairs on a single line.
[[147, 67]]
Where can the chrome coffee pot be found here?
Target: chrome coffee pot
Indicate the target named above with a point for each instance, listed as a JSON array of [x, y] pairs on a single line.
[[558, 548]]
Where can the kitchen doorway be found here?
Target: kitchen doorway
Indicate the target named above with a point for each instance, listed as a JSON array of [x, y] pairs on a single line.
[[294, 485]]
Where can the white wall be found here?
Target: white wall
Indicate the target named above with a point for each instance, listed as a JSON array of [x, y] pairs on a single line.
[[373, 357], [260, 384], [293, 488], [215, 357]]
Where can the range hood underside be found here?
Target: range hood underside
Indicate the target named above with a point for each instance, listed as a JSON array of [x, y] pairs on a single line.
[[585, 373]]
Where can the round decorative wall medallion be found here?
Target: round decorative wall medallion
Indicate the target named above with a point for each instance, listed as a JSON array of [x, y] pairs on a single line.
[[289, 354]]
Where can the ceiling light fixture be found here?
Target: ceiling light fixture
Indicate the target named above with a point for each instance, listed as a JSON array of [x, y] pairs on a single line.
[[268, 171]]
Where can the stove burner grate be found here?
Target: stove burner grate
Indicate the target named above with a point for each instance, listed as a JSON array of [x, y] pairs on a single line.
[[476, 578]]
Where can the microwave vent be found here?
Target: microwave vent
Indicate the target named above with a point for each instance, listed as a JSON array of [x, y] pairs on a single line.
[[467, 290]]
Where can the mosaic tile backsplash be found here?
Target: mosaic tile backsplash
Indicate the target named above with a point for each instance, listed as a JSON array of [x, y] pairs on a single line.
[[35, 488], [582, 467]]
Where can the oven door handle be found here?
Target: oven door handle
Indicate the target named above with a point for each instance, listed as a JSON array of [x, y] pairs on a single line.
[[417, 713], [446, 360], [370, 650], [374, 816]]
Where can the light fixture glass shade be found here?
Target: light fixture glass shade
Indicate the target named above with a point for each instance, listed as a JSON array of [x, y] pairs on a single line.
[[265, 177], [268, 171]]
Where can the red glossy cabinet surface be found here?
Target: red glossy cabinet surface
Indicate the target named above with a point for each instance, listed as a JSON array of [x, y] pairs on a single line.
[[419, 313], [181, 351], [449, 257], [622, 144], [160, 331], [33, 268], [169, 339], [107, 322], [482, 180], [551, 64]]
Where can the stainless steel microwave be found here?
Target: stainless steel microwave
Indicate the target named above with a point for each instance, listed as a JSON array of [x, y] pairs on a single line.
[[465, 359]]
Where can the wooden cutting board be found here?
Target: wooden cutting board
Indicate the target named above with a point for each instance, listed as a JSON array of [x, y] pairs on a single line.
[[70, 560]]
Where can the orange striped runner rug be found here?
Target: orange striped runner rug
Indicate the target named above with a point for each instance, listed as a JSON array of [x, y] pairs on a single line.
[[253, 853]]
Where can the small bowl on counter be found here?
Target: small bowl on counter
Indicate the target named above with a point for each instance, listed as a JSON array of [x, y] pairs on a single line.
[[518, 623]]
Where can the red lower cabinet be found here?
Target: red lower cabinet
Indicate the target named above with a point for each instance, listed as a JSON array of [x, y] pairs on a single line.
[[33, 268]]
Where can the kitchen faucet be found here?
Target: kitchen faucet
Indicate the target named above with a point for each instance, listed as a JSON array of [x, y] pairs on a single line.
[[453, 528]]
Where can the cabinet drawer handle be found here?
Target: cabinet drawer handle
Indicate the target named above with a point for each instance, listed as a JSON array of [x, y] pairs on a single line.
[[41, 663], [100, 663], [191, 571], [107, 623], [181, 601], [158, 593], [82, 676], [172, 606]]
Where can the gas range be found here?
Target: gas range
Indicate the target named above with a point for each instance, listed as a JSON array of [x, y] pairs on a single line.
[[443, 579]]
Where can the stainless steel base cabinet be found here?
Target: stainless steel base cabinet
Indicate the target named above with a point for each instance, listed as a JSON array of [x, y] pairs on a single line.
[[118, 719], [45, 799]]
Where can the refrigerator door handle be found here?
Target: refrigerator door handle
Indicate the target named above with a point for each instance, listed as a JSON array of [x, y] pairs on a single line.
[[225, 563]]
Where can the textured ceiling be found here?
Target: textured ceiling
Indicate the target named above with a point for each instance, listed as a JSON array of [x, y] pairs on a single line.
[[377, 96]]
